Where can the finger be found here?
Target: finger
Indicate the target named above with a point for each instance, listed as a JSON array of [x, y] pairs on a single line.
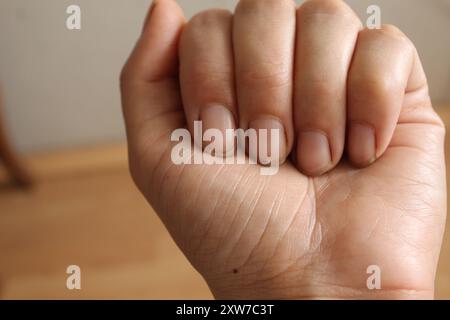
[[417, 107], [378, 79], [149, 87], [148, 78], [326, 36], [263, 39], [207, 72]]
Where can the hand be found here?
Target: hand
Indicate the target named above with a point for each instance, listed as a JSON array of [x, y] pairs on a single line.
[[311, 230]]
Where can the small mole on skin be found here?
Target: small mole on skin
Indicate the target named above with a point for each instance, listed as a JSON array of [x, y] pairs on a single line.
[[235, 271]]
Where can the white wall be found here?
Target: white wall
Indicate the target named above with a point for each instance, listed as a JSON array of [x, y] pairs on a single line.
[[61, 87]]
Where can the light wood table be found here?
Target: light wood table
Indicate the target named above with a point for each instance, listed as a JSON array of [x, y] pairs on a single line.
[[9, 157]]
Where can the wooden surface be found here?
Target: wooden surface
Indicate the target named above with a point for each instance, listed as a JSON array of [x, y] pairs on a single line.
[[8, 156], [86, 211]]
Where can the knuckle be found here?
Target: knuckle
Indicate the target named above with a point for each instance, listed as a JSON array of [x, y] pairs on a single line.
[[206, 72], [391, 30], [391, 33], [208, 17], [395, 33], [207, 77], [331, 7], [264, 76], [377, 87], [373, 88], [249, 5], [319, 90]]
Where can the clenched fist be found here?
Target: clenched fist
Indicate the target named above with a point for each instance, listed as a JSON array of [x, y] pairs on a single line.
[[362, 173]]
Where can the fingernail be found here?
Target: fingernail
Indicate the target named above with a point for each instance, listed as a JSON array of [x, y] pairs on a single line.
[[361, 144], [275, 152], [219, 117], [313, 152]]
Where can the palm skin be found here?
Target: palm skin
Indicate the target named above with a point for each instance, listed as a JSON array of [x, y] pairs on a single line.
[[292, 235], [289, 235]]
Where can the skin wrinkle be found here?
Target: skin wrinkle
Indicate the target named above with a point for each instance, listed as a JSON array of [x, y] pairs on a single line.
[[420, 87], [255, 201], [292, 264], [181, 175], [148, 144], [428, 207], [316, 244], [223, 72], [144, 157], [177, 185], [320, 247], [413, 108], [150, 180], [410, 242], [413, 247], [429, 120], [419, 183], [276, 203], [166, 204], [278, 241], [155, 118], [189, 206], [374, 227], [413, 208], [420, 148], [213, 211], [223, 237], [315, 213], [127, 79], [247, 178], [322, 187]]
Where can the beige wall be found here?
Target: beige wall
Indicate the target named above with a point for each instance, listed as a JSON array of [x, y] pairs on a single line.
[[61, 86]]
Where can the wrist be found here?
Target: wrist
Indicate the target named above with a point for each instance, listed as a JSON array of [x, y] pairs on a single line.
[[279, 291], [347, 294]]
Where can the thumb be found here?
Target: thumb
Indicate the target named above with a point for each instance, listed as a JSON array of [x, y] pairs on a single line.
[[149, 85]]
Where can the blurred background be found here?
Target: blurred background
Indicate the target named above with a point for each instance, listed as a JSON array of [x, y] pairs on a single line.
[[61, 110]]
